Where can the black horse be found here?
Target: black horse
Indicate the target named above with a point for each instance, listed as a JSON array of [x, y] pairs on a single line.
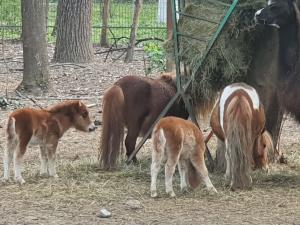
[[276, 70]]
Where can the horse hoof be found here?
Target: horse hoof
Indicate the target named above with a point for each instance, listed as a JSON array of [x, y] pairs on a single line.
[[184, 189], [212, 190], [171, 194], [153, 194], [4, 180], [55, 176], [20, 180], [44, 175]]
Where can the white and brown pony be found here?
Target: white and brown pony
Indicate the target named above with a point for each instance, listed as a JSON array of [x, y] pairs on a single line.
[[43, 127], [238, 119], [178, 141]]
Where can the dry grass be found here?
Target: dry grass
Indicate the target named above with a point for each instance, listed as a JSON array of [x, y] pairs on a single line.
[[82, 189]]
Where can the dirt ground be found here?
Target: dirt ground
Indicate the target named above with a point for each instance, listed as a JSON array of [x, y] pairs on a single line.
[[81, 190]]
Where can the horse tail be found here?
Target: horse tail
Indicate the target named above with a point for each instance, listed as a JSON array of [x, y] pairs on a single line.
[[239, 141], [112, 127]]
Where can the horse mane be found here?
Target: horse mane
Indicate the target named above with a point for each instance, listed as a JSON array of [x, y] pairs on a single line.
[[62, 107], [169, 78]]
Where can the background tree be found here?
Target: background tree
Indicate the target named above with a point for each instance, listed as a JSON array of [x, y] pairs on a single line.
[[36, 71], [170, 65], [105, 20], [134, 27], [73, 41]]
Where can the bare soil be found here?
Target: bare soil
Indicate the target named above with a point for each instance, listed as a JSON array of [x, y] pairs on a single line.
[[77, 196]]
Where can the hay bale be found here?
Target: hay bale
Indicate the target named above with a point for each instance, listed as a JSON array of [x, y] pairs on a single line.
[[231, 56]]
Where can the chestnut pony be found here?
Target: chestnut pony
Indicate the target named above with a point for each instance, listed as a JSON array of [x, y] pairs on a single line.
[[134, 102], [177, 141], [238, 119], [43, 127]]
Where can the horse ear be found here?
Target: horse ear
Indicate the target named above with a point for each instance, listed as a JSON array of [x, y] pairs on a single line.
[[79, 103]]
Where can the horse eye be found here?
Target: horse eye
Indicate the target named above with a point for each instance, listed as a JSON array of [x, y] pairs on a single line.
[[264, 146], [85, 114]]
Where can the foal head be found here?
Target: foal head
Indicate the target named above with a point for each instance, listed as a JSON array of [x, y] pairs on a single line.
[[263, 149], [77, 113], [277, 13], [82, 119]]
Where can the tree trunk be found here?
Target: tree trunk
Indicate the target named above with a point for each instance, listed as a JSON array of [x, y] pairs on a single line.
[[170, 65], [36, 70], [134, 26], [73, 41], [105, 20]]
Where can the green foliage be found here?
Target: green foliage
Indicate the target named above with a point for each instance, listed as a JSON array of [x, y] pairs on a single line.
[[120, 19], [157, 57], [10, 12]]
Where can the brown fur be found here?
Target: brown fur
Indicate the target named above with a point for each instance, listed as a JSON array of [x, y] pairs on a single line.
[[246, 143], [46, 127], [179, 142], [133, 102]]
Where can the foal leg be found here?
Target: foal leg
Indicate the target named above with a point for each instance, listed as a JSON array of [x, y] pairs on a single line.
[[157, 158], [18, 157], [44, 160], [51, 146], [199, 164], [8, 157], [155, 167], [182, 168], [172, 160]]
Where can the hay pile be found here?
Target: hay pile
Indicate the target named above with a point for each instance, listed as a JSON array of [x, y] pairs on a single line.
[[233, 52]]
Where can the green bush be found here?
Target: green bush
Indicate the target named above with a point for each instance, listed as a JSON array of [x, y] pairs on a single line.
[[156, 55]]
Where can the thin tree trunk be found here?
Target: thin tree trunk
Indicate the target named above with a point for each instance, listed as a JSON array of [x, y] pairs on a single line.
[[73, 41], [170, 65], [36, 70], [105, 21], [134, 27]]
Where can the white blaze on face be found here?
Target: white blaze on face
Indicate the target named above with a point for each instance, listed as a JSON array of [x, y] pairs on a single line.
[[229, 90]]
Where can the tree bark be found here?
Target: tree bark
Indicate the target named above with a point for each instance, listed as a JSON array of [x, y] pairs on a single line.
[[73, 41], [134, 27], [170, 65], [36, 69], [105, 20]]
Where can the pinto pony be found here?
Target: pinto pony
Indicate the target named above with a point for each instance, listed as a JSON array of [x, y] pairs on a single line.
[[43, 127], [238, 119], [133, 102], [178, 141]]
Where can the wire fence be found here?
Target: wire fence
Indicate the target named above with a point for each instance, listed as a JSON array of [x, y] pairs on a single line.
[[152, 19]]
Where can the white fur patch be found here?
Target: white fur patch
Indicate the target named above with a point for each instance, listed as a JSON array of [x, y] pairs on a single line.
[[229, 90], [258, 12], [270, 2], [274, 25]]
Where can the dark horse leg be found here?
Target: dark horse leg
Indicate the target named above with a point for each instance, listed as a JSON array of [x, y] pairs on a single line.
[[274, 117], [130, 140]]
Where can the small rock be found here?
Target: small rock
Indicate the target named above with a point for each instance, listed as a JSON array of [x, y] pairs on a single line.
[[104, 213], [134, 204]]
